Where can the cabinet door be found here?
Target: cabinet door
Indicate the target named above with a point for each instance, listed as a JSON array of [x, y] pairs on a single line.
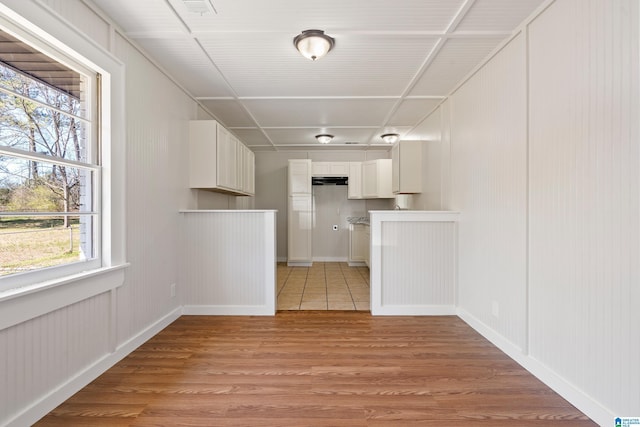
[[320, 169], [226, 159], [241, 154], [300, 232], [369, 179], [203, 153], [358, 242], [355, 180], [339, 168], [395, 168], [299, 176], [407, 167], [383, 171], [249, 172], [367, 254]]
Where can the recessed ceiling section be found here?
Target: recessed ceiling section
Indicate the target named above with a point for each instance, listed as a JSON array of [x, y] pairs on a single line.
[[456, 59], [319, 112], [497, 15], [229, 112], [267, 64], [200, 77]]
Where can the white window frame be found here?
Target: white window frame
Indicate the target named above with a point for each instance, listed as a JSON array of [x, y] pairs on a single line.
[[57, 39], [92, 148]]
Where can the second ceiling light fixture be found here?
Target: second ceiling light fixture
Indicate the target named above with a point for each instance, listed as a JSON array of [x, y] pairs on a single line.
[[313, 44]]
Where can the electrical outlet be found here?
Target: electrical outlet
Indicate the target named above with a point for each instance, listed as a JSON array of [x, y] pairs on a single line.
[[335, 227], [495, 309], [173, 290]]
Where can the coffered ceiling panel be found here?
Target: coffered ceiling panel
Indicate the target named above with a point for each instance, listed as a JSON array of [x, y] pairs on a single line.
[[497, 15], [412, 111], [292, 16], [319, 112], [392, 63], [199, 77], [229, 111], [252, 137], [266, 64], [457, 58], [306, 136], [145, 18]]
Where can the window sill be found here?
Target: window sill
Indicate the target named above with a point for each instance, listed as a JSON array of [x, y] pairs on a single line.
[[27, 302]]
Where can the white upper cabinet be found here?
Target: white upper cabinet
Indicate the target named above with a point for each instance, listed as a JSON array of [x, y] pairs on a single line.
[[218, 161], [249, 172], [355, 180], [376, 179], [227, 159], [330, 169], [406, 159]]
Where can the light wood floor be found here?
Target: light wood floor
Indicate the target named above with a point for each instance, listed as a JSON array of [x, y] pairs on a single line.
[[317, 368], [324, 286]]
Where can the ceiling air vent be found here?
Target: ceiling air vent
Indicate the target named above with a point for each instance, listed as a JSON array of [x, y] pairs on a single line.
[[351, 142], [201, 7]]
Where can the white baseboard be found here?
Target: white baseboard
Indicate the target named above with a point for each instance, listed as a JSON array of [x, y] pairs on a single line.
[[228, 310], [572, 394], [46, 404], [357, 264], [299, 264], [413, 310], [330, 259]]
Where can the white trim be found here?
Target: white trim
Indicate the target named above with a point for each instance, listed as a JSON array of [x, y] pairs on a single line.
[[65, 43], [46, 404], [228, 310], [28, 302], [330, 259], [357, 263], [260, 211], [409, 216], [578, 398], [299, 264], [415, 310]]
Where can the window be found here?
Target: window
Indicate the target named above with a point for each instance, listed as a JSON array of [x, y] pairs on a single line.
[[50, 175]]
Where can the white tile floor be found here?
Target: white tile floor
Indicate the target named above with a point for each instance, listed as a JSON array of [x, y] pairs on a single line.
[[324, 286]]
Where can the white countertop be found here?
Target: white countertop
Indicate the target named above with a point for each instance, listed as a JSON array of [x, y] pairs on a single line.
[[408, 215], [227, 210]]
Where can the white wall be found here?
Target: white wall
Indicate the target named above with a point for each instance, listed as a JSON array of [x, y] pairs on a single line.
[[489, 178], [584, 146], [332, 207], [544, 155], [46, 358]]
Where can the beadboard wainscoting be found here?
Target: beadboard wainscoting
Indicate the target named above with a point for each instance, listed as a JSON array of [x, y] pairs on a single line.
[[228, 262], [413, 262]]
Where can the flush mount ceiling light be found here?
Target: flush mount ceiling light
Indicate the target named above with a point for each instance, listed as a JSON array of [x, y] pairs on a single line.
[[324, 138], [390, 138], [313, 44]]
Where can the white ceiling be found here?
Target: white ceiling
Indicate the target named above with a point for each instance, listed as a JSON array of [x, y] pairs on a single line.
[[393, 61]]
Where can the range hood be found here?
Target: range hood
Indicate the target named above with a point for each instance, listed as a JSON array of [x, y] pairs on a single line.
[[329, 180]]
